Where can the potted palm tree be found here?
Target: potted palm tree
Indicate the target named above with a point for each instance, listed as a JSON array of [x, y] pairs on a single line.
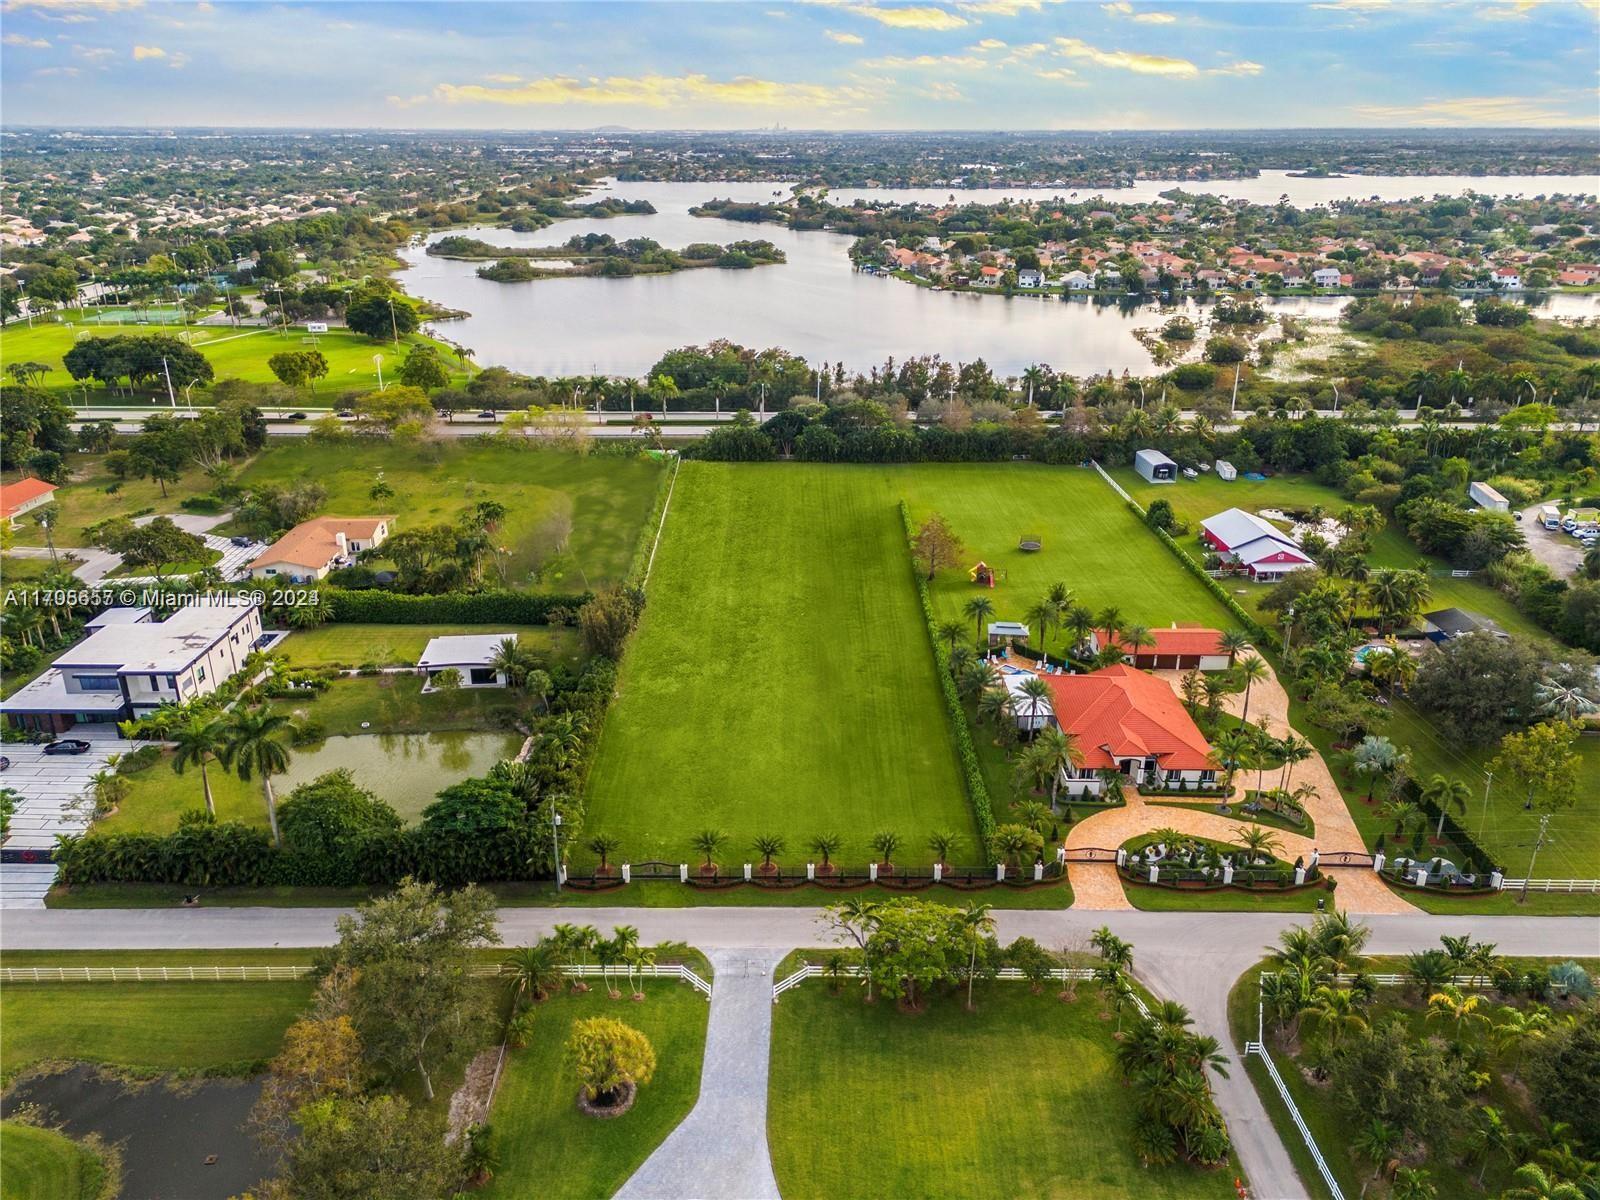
[[768, 845], [884, 844], [942, 842], [708, 842], [825, 846], [604, 845]]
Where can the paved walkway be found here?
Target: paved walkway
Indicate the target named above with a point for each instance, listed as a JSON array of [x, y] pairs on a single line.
[[720, 1149], [48, 788], [1097, 886]]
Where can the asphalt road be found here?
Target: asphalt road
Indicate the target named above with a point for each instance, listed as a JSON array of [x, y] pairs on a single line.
[[1192, 958]]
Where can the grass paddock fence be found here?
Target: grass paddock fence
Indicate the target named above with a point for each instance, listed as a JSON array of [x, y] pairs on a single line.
[[285, 973]]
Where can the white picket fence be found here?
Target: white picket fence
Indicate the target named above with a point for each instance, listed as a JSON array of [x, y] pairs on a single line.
[[1323, 1169], [1009, 974], [275, 974], [1551, 885]]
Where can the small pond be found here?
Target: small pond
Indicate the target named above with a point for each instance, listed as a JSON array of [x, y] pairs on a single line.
[[167, 1129], [405, 769]]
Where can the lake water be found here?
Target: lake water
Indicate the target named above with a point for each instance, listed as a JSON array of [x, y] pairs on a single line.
[[405, 769], [815, 305]]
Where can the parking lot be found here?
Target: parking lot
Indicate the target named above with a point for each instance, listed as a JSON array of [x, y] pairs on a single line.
[[1555, 548], [48, 787]]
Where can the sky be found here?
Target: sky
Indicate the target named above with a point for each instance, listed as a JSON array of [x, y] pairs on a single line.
[[824, 64]]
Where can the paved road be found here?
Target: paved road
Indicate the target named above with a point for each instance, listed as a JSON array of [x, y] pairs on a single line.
[[94, 566], [1194, 958], [720, 1149]]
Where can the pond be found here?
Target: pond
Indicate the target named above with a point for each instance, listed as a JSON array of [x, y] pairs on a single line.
[[405, 769], [817, 306], [167, 1129]]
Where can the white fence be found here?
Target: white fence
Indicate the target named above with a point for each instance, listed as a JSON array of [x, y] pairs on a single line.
[[1009, 974], [275, 974], [1551, 885], [1323, 1169]]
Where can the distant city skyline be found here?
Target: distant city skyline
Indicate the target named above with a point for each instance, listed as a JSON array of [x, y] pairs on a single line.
[[823, 64]]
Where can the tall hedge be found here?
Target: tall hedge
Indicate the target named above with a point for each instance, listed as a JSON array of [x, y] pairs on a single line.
[[971, 769], [369, 606]]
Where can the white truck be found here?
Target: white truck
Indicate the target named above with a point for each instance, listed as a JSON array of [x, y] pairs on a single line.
[[1550, 516]]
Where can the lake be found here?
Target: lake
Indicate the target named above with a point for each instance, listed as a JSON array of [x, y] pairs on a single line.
[[815, 305], [405, 769]]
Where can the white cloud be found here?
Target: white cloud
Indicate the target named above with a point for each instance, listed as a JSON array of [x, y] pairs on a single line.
[[844, 39], [656, 91], [1126, 60], [69, 71], [1242, 67], [20, 39], [915, 16], [140, 53], [1121, 8], [987, 45], [941, 90], [1471, 110], [955, 62]]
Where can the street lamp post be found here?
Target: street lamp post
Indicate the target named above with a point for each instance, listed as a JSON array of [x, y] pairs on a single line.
[[555, 840], [378, 361]]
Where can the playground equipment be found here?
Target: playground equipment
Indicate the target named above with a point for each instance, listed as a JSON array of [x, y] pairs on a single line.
[[982, 574], [1031, 543]]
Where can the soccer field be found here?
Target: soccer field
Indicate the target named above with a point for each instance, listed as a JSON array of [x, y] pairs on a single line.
[[781, 679]]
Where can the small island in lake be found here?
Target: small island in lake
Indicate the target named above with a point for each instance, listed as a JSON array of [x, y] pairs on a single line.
[[601, 254]]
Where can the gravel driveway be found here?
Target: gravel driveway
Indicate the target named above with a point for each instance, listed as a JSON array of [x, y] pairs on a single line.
[[1555, 548]]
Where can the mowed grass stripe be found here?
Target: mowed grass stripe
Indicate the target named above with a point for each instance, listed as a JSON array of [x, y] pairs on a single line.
[[780, 680]]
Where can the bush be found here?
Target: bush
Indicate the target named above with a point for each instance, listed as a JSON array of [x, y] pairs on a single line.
[[479, 608], [202, 504]]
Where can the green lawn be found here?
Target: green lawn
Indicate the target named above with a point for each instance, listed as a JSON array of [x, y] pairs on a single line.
[[1193, 500], [150, 1028], [780, 680], [233, 353], [158, 796], [1092, 542], [41, 1164], [351, 646], [601, 501], [92, 495], [1021, 1098], [396, 704], [187, 566], [15, 570], [551, 1150]]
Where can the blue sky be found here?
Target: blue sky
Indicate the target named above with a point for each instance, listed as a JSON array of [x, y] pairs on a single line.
[[837, 64]]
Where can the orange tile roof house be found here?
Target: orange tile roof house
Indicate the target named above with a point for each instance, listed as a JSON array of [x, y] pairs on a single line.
[[23, 496], [1180, 648], [312, 548], [1127, 721]]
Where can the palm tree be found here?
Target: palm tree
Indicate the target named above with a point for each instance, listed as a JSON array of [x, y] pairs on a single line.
[[604, 845], [1035, 699], [1058, 752], [251, 746], [1235, 642], [1336, 1012], [884, 843], [1517, 1028], [1490, 1133], [767, 845], [947, 632], [1257, 841], [1008, 843], [512, 661], [536, 968], [576, 941], [198, 741], [825, 846], [1405, 815], [980, 609], [1448, 1003], [976, 925], [1032, 771], [1191, 686], [994, 706], [1249, 671], [976, 678], [1294, 750], [1041, 615], [1532, 1182], [638, 960], [942, 842], [708, 842], [1447, 795], [109, 789], [1079, 622], [1376, 758], [1377, 1142], [1232, 749], [1215, 687], [1412, 1183], [1110, 620], [1136, 638]]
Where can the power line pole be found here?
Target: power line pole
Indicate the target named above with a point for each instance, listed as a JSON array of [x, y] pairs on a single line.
[[1544, 826]]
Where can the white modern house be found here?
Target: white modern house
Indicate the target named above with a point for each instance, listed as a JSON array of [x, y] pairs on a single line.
[[1077, 281], [1254, 543], [130, 666], [469, 655], [1326, 277], [1030, 277]]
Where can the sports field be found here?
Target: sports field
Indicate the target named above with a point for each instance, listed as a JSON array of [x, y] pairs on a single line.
[[781, 679], [240, 353], [578, 517]]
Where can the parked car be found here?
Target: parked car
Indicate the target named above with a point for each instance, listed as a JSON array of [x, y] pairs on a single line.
[[487, 414], [68, 746], [5, 763], [297, 416], [239, 539]]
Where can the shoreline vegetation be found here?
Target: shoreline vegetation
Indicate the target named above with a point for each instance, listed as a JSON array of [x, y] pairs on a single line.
[[600, 254]]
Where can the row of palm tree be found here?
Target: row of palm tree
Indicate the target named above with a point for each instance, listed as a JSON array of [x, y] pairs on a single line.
[[537, 971], [248, 741]]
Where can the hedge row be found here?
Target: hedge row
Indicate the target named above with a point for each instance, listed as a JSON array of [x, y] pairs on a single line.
[[366, 607], [977, 790], [1265, 639], [1455, 831]]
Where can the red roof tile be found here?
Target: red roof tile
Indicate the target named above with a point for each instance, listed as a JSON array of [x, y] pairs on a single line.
[[14, 495], [1184, 639], [1120, 712]]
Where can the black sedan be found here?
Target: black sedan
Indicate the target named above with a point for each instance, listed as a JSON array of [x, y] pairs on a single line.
[[68, 746]]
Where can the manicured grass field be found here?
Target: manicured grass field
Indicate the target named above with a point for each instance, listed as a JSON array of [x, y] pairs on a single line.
[[551, 1150], [1193, 500], [150, 1028], [1092, 543], [1021, 1098], [401, 645], [603, 501], [158, 796], [41, 1164], [781, 679], [396, 704], [233, 353]]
